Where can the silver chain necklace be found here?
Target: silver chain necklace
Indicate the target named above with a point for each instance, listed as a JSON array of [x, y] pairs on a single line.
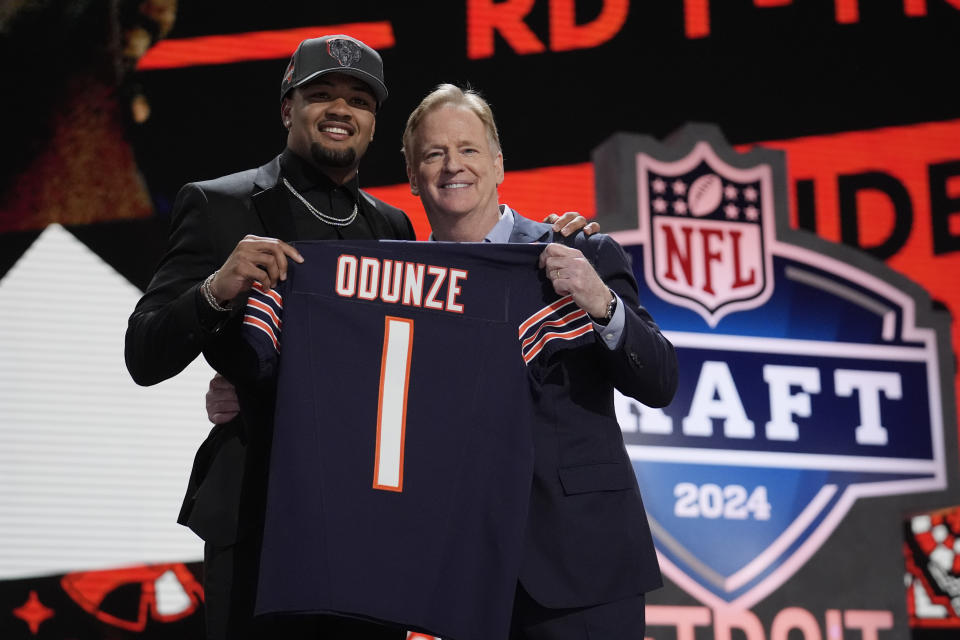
[[320, 215]]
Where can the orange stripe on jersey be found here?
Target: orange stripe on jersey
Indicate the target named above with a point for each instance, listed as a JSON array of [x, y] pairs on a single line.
[[568, 335], [267, 309], [273, 295], [567, 319], [257, 323], [539, 315]]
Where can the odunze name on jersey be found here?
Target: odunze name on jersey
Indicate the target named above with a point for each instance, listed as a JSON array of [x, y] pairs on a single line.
[[407, 278], [410, 284]]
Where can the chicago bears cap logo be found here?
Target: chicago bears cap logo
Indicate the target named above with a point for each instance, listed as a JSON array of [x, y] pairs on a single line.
[[346, 52], [809, 377]]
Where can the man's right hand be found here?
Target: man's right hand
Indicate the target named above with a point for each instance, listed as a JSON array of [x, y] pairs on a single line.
[[254, 259]]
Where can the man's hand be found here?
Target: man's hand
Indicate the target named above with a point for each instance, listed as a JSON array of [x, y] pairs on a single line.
[[571, 222], [572, 274], [222, 403], [254, 259]]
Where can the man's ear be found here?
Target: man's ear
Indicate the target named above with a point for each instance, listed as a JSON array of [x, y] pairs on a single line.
[[285, 110], [498, 163], [414, 189]]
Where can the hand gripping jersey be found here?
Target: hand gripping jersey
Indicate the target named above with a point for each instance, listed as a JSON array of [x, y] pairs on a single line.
[[402, 454]]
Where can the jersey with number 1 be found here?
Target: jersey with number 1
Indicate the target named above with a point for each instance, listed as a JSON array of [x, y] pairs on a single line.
[[402, 453]]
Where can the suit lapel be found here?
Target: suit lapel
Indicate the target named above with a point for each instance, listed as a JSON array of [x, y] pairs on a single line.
[[273, 207], [378, 221], [272, 204], [526, 231]]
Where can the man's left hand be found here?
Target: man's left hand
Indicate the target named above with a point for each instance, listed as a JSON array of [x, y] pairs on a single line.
[[571, 222], [222, 403], [572, 274]]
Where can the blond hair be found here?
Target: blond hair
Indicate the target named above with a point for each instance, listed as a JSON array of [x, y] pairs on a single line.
[[446, 94]]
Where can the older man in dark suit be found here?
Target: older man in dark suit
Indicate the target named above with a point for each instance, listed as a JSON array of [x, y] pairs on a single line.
[[588, 554]]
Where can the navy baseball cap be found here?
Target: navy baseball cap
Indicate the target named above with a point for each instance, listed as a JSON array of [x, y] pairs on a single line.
[[316, 57]]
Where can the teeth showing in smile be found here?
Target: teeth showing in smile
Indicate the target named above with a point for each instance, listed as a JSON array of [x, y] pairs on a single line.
[[455, 185], [338, 130]]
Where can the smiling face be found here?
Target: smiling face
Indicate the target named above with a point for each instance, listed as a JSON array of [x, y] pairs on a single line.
[[331, 122], [455, 169]]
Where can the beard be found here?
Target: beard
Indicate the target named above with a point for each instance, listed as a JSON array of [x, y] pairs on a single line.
[[325, 157]]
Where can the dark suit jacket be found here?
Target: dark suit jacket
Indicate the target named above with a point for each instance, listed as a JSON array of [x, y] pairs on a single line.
[[172, 325], [587, 538]]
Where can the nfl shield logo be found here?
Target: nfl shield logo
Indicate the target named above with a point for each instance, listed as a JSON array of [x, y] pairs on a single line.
[[710, 228]]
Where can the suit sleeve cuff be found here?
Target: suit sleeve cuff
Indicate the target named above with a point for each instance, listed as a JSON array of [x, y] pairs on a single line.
[[612, 334], [210, 319]]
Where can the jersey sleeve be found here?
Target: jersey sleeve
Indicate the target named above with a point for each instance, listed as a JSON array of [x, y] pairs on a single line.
[[262, 322], [560, 324]]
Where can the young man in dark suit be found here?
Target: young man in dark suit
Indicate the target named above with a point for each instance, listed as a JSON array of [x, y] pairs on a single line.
[[227, 234]]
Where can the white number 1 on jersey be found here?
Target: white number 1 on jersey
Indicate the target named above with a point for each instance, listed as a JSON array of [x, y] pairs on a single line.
[[392, 405]]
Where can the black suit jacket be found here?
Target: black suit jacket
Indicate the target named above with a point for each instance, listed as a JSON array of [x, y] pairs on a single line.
[[171, 325], [587, 538]]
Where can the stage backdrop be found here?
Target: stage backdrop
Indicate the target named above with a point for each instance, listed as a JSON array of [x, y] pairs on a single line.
[[816, 423]]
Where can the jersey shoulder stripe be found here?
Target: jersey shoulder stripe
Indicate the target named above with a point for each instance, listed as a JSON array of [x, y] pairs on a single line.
[[263, 328], [572, 334]]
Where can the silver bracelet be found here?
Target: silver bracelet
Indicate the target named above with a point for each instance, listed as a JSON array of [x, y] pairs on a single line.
[[208, 295], [611, 306]]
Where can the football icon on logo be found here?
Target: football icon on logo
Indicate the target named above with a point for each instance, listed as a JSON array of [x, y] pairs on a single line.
[[705, 195]]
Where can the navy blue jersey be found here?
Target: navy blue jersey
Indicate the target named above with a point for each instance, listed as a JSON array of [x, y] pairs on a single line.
[[402, 454]]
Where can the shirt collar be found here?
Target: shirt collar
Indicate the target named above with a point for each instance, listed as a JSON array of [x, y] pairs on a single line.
[[500, 231], [504, 227]]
